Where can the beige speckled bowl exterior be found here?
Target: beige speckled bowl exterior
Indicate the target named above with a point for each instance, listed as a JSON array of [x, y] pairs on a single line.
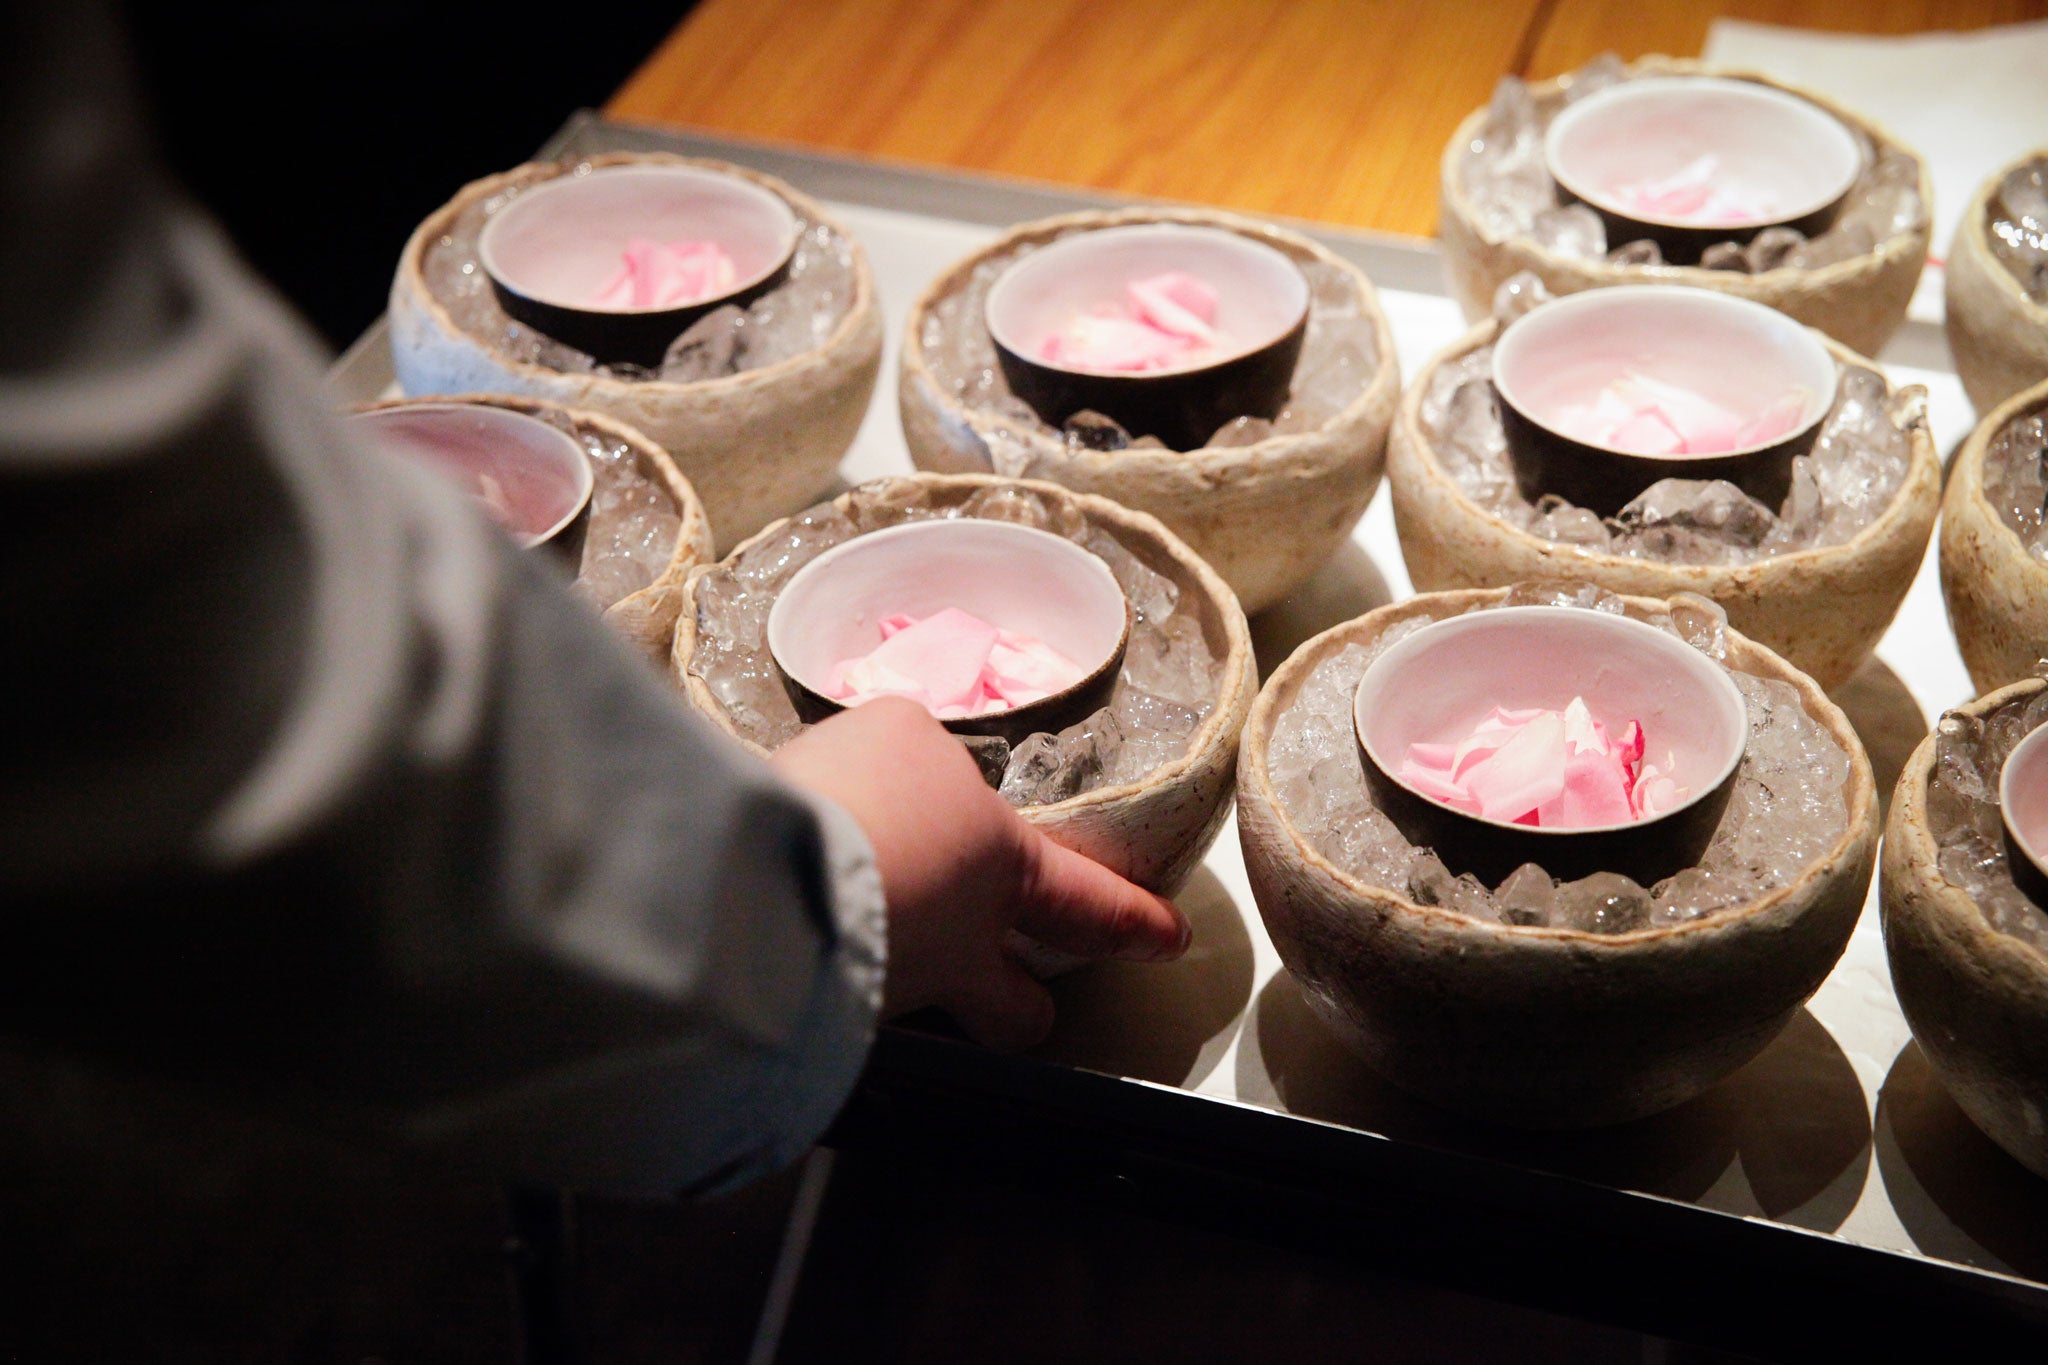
[[646, 617], [1996, 334], [756, 445], [1860, 302], [1977, 999], [1265, 516], [1532, 1027], [1823, 609], [1997, 592], [1154, 831]]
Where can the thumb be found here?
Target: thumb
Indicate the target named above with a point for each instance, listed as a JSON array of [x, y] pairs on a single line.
[[1006, 1009], [1079, 906]]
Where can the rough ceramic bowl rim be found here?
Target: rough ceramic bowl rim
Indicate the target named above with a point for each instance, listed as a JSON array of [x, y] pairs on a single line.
[[1263, 715], [1018, 273], [1917, 846], [1650, 88], [1485, 330], [586, 482], [672, 481], [2028, 402], [1556, 312], [1813, 279], [1086, 563], [604, 387], [1716, 673], [564, 186], [2029, 750], [1977, 219], [1385, 356], [1237, 635]]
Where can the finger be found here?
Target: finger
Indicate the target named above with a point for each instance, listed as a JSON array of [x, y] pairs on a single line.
[[1079, 906], [1007, 1010]]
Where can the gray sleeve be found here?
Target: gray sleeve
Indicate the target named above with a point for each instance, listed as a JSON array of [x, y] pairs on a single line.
[[321, 795]]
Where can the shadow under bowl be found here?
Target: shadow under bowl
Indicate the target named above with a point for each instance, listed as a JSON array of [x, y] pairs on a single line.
[[1262, 306], [1434, 686], [1795, 160], [1742, 357], [534, 479], [551, 251], [1017, 578]]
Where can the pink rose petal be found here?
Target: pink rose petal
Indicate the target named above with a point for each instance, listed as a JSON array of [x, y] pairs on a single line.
[[1522, 774], [1774, 423], [655, 274], [1179, 303], [1549, 769], [955, 664], [944, 653], [1162, 322]]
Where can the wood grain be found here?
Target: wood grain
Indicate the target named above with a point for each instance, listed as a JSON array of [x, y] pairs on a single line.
[[1316, 108], [1576, 31], [1328, 109]]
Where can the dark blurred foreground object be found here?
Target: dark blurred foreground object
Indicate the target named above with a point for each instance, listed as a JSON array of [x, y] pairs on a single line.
[[320, 134], [348, 866]]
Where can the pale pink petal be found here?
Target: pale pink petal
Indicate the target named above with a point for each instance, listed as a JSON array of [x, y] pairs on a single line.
[[1581, 731], [866, 679], [1523, 773], [1774, 423], [1630, 750], [655, 274], [945, 652], [1595, 793], [1432, 783], [1020, 662], [1655, 791], [1113, 345], [1178, 303], [1439, 756], [1649, 432], [1536, 767]]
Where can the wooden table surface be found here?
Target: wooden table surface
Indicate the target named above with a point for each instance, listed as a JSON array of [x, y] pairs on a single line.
[[1327, 109]]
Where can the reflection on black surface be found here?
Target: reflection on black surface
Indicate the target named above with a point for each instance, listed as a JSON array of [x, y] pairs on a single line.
[[1888, 721], [1957, 1193], [1787, 1136], [1167, 1022], [1348, 585]]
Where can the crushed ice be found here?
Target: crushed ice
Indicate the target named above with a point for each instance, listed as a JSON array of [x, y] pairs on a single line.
[[1963, 813], [634, 522], [798, 315], [1856, 466], [1512, 194], [2018, 224], [1788, 807], [2016, 479], [1167, 688]]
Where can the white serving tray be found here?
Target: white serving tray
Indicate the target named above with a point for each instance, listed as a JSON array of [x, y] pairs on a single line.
[[1837, 1129]]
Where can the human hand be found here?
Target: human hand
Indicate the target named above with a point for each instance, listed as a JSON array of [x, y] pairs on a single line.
[[961, 869]]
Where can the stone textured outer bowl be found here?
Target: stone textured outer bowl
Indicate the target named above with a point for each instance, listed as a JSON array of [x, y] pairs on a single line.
[[1997, 592], [1265, 516], [1997, 335], [646, 617], [756, 445], [1824, 609], [1539, 1027], [1153, 831], [1859, 302], [1977, 999]]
